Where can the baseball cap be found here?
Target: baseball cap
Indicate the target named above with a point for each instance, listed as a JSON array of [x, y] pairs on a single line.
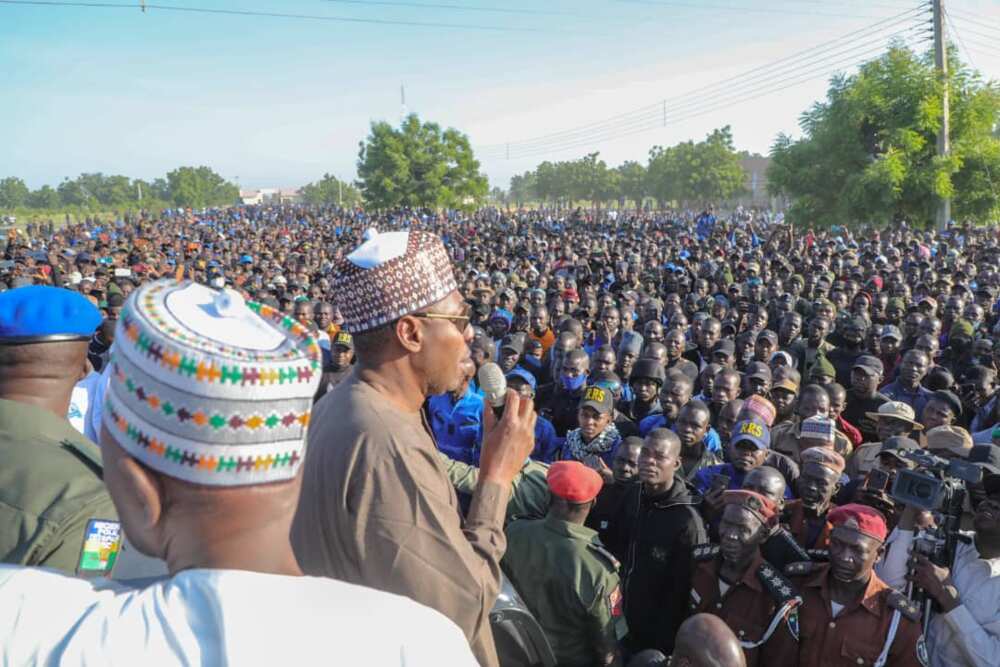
[[892, 331], [786, 383], [523, 375], [760, 370], [870, 364], [769, 335], [753, 431], [599, 399], [343, 339], [513, 342], [897, 444], [725, 346]]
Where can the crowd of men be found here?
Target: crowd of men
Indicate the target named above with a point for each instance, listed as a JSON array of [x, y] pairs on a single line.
[[705, 419]]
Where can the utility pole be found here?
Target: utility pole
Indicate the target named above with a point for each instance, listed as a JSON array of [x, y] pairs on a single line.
[[340, 193], [941, 64]]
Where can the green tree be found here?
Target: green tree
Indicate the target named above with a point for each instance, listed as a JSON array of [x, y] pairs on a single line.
[[868, 153], [198, 187], [331, 191], [13, 192], [631, 182], [45, 197], [523, 187], [418, 164]]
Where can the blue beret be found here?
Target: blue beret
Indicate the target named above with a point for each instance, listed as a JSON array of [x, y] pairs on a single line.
[[39, 314]]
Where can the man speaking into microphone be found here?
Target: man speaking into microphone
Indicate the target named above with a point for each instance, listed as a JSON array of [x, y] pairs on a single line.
[[376, 506]]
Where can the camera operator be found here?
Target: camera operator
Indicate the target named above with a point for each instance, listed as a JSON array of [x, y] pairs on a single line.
[[966, 629]]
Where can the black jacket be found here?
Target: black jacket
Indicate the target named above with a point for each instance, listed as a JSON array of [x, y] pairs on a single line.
[[654, 539]]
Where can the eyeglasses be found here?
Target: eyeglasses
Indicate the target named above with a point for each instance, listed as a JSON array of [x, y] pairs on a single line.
[[461, 322]]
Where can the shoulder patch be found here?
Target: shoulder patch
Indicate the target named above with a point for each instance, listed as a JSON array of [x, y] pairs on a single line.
[[804, 567], [776, 584], [905, 605], [819, 555], [101, 542], [605, 555], [705, 551]]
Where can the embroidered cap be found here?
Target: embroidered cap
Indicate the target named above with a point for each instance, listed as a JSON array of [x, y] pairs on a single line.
[[818, 428], [573, 481], [760, 407], [210, 389], [391, 275]]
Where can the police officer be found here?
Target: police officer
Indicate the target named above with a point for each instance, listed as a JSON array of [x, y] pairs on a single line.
[[849, 616], [566, 577], [733, 581], [54, 508]]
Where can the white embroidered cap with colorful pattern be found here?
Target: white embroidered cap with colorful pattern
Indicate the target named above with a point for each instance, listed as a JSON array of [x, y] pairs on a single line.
[[390, 275], [210, 389]]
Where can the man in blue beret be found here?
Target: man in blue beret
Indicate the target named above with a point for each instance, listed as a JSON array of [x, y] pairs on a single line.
[[54, 508]]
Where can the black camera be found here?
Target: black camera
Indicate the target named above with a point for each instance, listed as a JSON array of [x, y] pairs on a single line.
[[932, 485]]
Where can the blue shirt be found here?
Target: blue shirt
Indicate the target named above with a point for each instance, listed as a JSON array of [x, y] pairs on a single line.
[[915, 399], [703, 478], [457, 425], [547, 443], [712, 441]]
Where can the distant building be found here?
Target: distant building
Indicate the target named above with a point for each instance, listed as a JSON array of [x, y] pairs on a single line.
[[755, 187], [271, 196]]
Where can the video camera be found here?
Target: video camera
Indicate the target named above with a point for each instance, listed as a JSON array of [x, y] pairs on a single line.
[[933, 484]]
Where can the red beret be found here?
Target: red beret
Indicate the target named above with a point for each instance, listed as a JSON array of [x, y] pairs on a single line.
[[866, 520], [570, 294], [759, 505], [573, 481]]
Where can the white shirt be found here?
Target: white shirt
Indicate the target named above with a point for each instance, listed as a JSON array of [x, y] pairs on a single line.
[[81, 400], [970, 633], [217, 617]]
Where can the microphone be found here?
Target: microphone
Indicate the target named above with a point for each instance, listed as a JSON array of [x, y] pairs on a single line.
[[494, 385]]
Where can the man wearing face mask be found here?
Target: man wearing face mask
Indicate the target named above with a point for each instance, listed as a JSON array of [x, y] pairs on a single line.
[[849, 616], [559, 400], [733, 581]]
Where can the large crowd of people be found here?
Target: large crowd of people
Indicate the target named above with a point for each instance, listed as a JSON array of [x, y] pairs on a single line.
[[706, 417]]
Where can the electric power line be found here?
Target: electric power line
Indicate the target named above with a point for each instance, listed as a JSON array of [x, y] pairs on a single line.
[[744, 79], [248, 12], [734, 8], [463, 8], [659, 115], [973, 19], [695, 108]]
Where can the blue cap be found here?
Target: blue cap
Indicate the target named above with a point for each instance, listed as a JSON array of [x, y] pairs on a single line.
[[752, 430], [522, 374], [502, 314], [246, 259], [40, 314]]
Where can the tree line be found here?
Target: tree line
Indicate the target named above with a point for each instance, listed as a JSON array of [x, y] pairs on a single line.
[[704, 171], [195, 187]]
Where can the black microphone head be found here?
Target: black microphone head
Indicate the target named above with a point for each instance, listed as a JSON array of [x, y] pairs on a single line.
[[493, 383]]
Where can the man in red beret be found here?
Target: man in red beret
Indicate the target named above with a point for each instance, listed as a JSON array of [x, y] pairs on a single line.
[[733, 581], [849, 616], [566, 577]]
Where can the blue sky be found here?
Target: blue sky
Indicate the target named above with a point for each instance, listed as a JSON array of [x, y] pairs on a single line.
[[278, 101]]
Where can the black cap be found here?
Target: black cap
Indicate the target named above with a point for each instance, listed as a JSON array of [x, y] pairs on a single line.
[[898, 444], [760, 370], [514, 342], [599, 399], [987, 456], [725, 346], [950, 399]]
